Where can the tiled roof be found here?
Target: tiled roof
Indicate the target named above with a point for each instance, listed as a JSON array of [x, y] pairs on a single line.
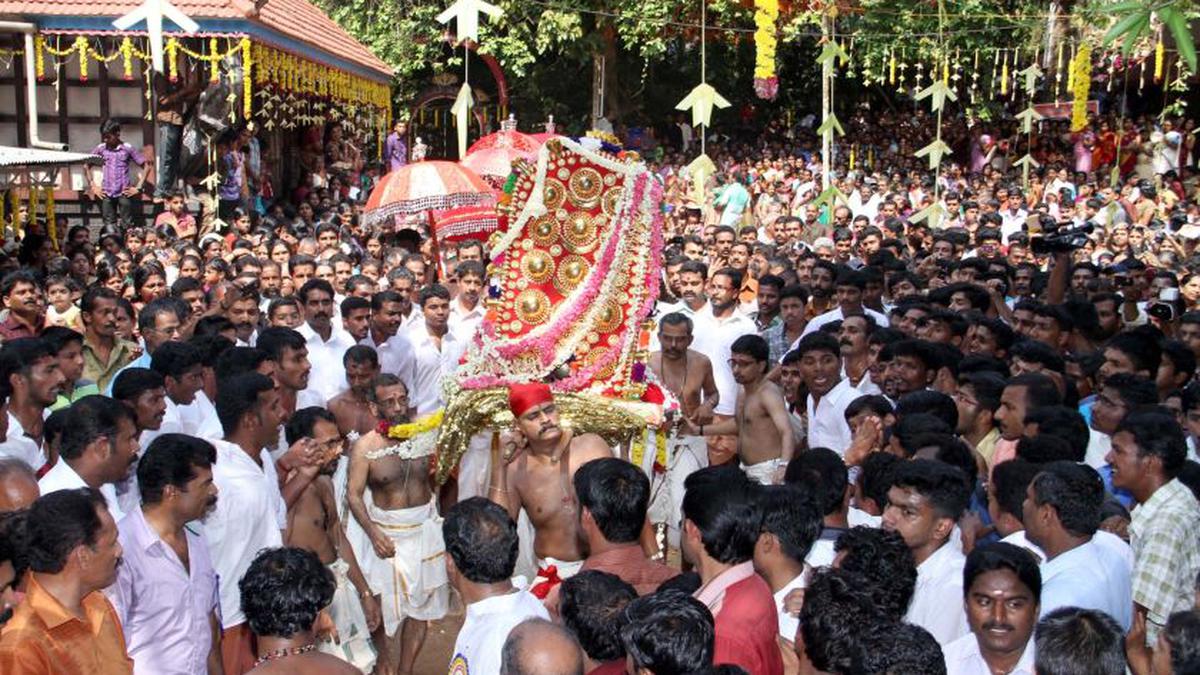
[[298, 19]]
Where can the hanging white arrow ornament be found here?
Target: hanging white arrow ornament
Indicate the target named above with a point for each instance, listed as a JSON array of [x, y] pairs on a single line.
[[701, 100], [153, 12], [466, 16], [831, 125], [461, 111], [1027, 117], [935, 150], [940, 91]]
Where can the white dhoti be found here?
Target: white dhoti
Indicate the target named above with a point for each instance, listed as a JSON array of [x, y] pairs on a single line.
[[687, 454], [763, 473], [354, 638], [412, 583]]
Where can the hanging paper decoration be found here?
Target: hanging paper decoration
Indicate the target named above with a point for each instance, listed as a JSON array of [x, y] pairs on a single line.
[[701, 100], [766, 82], [461, 111], [1027, 117], [1081, 80], [465, 13], [153, 12], [701, 169]]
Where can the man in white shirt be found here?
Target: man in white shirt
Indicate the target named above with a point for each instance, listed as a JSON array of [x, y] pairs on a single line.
[[790, 523], [436, 349], [849, 289], [30, 371], [828, 393], [467, 309], [716, 327], [250, 514], [925, 502], [326, 344], [395, 351], [1061, 516], [99, 448], [481, 548], [1002, 589]]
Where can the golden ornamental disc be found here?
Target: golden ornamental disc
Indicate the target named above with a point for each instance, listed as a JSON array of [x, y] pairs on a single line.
[[554, 194], [580, 233], [543, 231], [610, 317], [571, 272], [533, 307], [585, 187], [611, 201], [537, 266]]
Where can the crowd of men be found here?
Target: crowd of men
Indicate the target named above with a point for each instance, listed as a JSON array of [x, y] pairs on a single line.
[[964, 444]]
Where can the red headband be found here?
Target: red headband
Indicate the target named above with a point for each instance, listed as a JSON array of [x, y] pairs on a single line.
[[522, 397]]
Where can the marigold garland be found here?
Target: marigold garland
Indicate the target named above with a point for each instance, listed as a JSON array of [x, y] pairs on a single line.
[[1081, 81], [766, 82], [406, 431]]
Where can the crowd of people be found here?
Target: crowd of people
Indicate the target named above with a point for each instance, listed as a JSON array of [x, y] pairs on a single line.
[[963, 443]]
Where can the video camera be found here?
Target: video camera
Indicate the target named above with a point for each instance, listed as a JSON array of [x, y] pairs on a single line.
[[1058, 238]]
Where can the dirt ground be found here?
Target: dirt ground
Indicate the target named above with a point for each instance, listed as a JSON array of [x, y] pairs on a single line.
[[434, 658]]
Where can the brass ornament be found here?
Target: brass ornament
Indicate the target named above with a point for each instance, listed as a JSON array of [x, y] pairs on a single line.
[[537, 266], [610, 317], [533, 307], [580, 233], [543, 231], [585, 186], [572, 270], [610, 202], [554, 193]]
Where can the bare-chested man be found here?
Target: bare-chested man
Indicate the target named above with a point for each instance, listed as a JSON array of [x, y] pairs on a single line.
[[313, 523], [537, 477], [353, 408], [391, 499], [765, 442], [688, 375]]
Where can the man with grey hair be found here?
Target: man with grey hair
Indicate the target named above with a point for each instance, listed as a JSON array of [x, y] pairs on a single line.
[[539, 647], [18, 485]]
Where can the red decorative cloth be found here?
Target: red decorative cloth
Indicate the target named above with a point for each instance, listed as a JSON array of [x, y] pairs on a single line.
[[550, 575]]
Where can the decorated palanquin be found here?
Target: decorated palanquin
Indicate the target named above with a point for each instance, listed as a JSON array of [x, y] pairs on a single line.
[[574, 275]]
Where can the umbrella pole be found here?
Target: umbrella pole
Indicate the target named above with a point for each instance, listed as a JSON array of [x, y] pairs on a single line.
[[435, 248]]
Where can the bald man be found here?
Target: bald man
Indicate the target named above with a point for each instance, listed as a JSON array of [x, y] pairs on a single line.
[[538, 647], [18, 485]]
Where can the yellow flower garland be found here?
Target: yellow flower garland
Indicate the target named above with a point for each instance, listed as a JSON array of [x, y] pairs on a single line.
[[766, 13], [424, 424], [1081, 81]]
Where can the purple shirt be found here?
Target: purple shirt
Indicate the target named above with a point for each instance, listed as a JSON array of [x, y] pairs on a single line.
[[116, 167], [230, 189], [164, 607], [395, 151]]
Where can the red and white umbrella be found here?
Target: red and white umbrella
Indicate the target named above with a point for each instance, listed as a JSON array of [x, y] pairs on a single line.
[[506, 139], [467, 222], [425, 186], [494, 163]]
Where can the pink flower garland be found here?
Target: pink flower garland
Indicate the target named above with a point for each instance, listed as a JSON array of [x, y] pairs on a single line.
[[544, 344]]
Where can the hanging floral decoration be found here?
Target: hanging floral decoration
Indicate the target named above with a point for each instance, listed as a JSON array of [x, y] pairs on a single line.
[[1081, 82], [766, 82]]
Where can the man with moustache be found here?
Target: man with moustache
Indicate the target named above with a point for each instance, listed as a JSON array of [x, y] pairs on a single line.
[[166, 588], [466, 311], [352, 408], [688, 375], [717, 326], [326, 345], [1002, 586], [402, 556], [394, 350], [314, 524], [853, 337], [536, 474], [65, 625], [99, 449]]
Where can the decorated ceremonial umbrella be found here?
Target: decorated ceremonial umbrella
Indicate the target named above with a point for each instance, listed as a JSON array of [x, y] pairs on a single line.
[[508, 139], [426, 186], [494, 164], [467, 222], [543, 137]]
